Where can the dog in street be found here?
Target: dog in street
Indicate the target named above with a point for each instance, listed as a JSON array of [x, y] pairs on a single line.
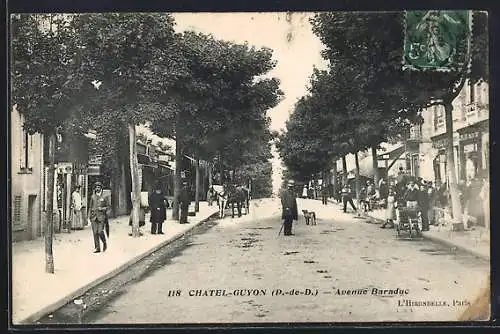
[[310, 217]]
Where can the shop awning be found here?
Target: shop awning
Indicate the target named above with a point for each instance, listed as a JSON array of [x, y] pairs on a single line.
[[365, 167], [392, 152]]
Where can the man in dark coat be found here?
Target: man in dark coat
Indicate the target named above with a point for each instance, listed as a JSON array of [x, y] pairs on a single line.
[[289, 208], [184, 201], [423, 202], [98, 211], [158, 209]]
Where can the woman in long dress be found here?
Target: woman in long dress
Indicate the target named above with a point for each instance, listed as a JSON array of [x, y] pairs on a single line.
[[76, 204]]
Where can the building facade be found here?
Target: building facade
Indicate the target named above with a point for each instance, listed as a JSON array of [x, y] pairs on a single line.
[[26, 173], [470, 135]]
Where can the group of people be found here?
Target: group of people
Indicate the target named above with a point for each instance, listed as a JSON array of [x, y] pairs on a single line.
[[99, 210]]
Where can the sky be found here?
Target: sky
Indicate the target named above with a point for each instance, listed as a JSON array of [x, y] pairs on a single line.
[[296, 50]]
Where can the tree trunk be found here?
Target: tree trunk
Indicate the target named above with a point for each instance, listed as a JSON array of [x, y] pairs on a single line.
[[136, 187], [334, 182], [116, 179], [376, 175], [197, 187], [210, 176], [344, 171], [49, 227], [450, 163], [177, 178], [358, 181]]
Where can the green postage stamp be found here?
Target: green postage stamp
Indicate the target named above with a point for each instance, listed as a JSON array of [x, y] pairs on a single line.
[[437, 39]]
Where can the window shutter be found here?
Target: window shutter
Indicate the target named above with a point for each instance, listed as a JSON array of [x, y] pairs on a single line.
[[16, 214]]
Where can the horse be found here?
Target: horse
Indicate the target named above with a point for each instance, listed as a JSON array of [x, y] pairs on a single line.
[[240, 196]]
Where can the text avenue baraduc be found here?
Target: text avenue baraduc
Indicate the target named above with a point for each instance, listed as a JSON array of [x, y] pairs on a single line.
[[378, 292]]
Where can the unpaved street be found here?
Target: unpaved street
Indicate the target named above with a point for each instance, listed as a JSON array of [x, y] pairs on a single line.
[[330, 272]]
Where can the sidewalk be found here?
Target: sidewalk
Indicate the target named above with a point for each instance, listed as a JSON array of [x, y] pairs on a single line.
[[475, 241], [77, 269]]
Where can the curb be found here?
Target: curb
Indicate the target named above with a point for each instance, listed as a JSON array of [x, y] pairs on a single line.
[[442, 241], [452, 245], [63, 301]]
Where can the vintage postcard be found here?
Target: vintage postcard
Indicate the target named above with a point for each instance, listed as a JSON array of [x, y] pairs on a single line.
[[230, 168]]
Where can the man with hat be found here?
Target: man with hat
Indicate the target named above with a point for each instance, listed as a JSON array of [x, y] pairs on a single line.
[[289, 208], [184, 202], [98, 213]]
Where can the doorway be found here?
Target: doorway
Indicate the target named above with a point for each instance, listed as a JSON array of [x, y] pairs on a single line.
[[36, 229]]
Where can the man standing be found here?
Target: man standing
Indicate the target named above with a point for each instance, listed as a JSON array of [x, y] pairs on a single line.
[[184, 202], [98, 212], [158, 209], [324, 194], [346, 193], [424, 205], [289, 208]]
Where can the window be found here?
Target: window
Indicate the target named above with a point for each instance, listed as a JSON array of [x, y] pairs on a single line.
[[472, 93], [25, 163], [438, 118]]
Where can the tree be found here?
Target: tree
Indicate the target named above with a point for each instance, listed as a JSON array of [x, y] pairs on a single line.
[[124, 51], [43, 88], [375, 39], [219, 103]]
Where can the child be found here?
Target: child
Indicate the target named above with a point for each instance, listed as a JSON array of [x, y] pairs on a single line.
[[391, 208]]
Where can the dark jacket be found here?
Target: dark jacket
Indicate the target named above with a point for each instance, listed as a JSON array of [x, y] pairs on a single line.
[[184, 197], [384, 190], [158, 208], [423, 199], [99, 207], [412, 194], [289, 205]]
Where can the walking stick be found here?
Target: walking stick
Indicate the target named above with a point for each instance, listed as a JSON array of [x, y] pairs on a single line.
[[281, 229]]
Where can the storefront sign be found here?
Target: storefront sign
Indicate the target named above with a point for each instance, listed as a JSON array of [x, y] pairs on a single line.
[[440, 143], [469, 135], [94, 170]]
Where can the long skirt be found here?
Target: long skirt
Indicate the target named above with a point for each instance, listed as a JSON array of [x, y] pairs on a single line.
[[77, 220]]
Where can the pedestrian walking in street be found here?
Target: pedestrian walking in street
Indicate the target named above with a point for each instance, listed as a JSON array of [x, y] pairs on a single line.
[[324, 195], [158, 209], [289, 208], [346, 194], [76, 209], [98, 211], [391, 209], [184, 202], [304, 191]]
